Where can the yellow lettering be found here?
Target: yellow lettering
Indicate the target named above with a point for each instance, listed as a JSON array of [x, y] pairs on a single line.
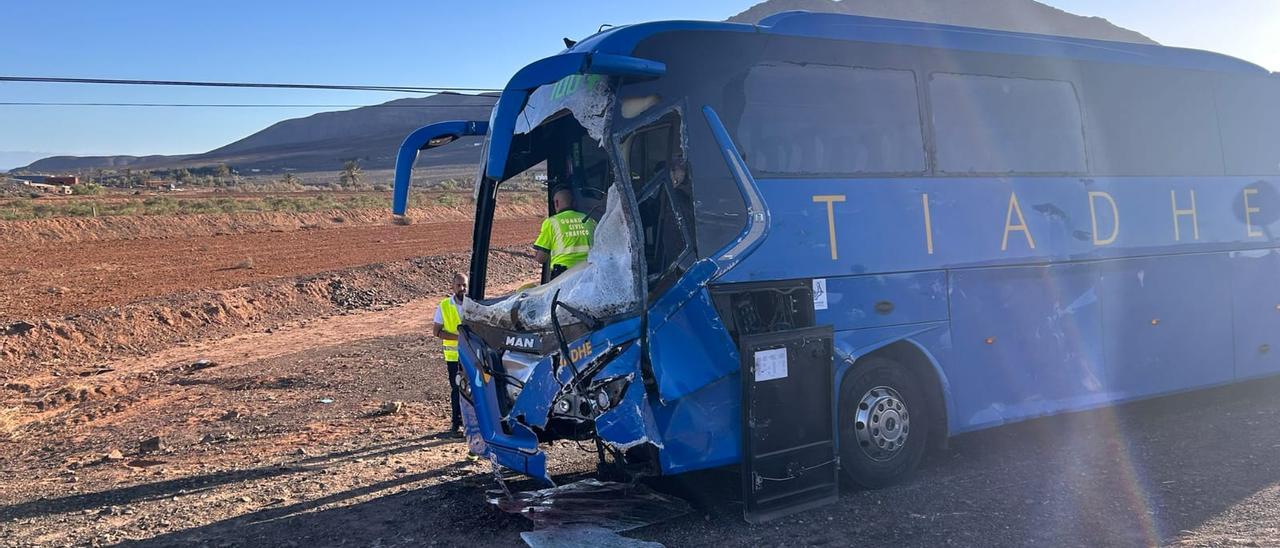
[[1010, 227], [928, 224], [1248, 222], [582, 351], [1195, 222], [830, 200], [1093, 214]]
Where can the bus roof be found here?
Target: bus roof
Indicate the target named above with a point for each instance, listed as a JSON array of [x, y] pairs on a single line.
[[623, 40]]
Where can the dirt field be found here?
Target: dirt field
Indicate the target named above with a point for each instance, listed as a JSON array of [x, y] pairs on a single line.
[[188, 405], [252, 455], [61, 278]]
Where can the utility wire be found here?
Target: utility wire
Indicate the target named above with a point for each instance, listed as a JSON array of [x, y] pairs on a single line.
[[225, 105], [393, 89]]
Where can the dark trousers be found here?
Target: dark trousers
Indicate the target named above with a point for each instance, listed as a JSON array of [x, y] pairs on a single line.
[[556, 271], [453, 393]]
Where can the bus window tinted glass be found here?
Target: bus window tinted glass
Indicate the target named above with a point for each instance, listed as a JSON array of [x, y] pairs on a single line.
[[1249, 113], [831, 120], [985, 124], [661, 180], [1150, 122]]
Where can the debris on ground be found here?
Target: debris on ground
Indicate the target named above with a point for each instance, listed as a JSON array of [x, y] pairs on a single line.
[[218, 438], [582, 535], [391, 407], [201, 364], [19, 327], [589, 512], [153, 444]]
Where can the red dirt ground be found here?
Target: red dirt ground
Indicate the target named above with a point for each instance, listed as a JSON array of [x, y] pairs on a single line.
[[49, 279]]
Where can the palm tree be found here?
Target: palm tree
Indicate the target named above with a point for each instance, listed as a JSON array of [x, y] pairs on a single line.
[[351, 174]]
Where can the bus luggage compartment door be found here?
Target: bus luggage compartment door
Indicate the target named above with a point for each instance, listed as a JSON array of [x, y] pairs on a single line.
[[789, 454]]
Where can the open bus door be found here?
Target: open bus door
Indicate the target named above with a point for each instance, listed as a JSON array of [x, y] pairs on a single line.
[[789, 452], [428, 137]]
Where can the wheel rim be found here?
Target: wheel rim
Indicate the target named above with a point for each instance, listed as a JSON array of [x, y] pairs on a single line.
[[882, 423]]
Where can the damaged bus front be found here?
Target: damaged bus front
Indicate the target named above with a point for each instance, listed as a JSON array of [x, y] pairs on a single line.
[[624, 352]]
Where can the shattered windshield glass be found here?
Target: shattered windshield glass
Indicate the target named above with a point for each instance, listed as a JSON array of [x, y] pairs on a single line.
[[605, 285], [563, 128]]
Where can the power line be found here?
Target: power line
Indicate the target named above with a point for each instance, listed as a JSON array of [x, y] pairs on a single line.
[[392, 89], [224, 105]]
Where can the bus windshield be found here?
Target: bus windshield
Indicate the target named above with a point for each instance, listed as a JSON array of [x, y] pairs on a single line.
[[562, 129]]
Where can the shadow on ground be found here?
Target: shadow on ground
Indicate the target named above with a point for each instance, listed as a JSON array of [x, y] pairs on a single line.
[[1141, 474]]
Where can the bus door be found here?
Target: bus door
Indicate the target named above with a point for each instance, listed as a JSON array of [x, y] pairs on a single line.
[[788, 442]]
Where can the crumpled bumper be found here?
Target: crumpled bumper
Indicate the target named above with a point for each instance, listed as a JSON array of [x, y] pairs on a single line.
[[511, 440]]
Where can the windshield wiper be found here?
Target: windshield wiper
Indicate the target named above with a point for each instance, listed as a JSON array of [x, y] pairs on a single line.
[[555, 328]]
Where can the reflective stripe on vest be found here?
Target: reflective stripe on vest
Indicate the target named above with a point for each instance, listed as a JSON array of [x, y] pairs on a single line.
[[572, 234], [452, 319]]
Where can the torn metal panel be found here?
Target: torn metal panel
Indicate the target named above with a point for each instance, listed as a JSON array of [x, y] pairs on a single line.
[[629, 422], [582, 535], [616, 507], [548, 380], [515, 447], [703, 429], [691, 349]]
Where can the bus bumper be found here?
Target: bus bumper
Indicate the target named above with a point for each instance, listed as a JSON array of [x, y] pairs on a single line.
[[608, 371]]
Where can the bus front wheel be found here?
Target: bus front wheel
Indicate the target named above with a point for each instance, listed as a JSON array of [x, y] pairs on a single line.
[[884, 423]]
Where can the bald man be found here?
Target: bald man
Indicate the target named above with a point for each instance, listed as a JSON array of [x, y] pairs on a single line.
[[445, 327], [565, 237]]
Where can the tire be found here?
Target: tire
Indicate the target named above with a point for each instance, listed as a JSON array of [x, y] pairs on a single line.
[[882, 444]]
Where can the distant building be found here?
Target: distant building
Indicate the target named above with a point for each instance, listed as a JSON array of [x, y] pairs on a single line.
[[159, 184], [50, 189], [67, 180]]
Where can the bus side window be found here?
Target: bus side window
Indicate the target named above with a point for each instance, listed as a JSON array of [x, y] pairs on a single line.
[[661, 181]]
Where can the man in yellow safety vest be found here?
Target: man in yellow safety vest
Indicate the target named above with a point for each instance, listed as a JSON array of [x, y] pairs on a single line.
[[448, 317], [565, 237]]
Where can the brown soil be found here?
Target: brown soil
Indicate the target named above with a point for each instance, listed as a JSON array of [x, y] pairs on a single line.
[[276, 424], [56, 279], [82, 229]]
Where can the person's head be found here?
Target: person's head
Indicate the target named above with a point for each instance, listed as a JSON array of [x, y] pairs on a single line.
[[459, 284], [679, 171], [562, 200]]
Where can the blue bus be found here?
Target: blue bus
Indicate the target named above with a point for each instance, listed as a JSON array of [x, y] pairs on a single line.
[[827, 242]]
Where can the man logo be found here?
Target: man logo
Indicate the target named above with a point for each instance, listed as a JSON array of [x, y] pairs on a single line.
[[524, 343]]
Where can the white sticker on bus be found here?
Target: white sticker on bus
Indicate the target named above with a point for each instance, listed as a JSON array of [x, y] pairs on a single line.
[[771, 364], [819, 293]]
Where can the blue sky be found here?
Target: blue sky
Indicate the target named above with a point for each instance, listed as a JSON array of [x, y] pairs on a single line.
[[472, 43]]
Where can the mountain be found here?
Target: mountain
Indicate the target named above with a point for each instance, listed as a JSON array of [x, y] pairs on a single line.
[[1014, 15], [10, 159], [320, 142]]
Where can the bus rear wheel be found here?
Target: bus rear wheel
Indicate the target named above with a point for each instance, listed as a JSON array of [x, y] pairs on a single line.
[[884, 423]]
